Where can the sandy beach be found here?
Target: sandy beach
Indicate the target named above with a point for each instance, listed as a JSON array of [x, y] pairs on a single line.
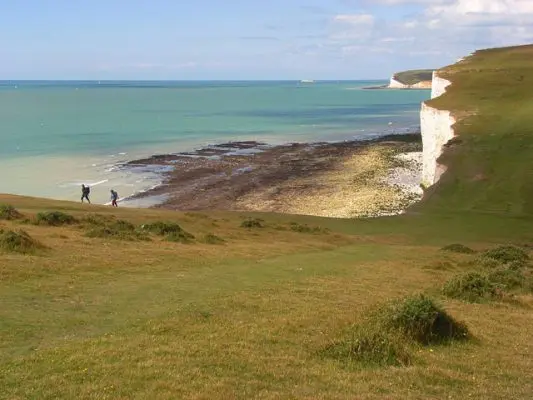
[[344, 179]]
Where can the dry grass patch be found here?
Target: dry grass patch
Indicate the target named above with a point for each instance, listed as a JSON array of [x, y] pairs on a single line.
[[8, 212], [18, 242]]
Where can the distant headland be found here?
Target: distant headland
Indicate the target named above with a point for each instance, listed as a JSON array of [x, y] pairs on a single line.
[[412, 79]]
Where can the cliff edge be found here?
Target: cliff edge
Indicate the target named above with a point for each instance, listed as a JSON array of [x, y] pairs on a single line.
[[436, 128], [413, 79]]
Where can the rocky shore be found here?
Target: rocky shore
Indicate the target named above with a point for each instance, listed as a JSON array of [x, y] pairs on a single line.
[[345, 179]]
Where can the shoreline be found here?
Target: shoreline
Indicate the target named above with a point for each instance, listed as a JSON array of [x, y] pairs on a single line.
[[351, 178]]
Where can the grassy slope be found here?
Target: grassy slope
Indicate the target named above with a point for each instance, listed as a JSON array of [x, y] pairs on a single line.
[[97, 318], [491, 170], [414, 76]]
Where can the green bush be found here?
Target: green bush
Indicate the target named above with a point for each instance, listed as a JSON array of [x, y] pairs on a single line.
[[370, 346], [55, 218], [98, 219], [8, 212], [508, 278], [211, 238], [472, 286], [252, 223], [163, 228], [18, 242], [296, 227], [119, 229], [180, 237], [458, 248], [507, 254], [420, 319]]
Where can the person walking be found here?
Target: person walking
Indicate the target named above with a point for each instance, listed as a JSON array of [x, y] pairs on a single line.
[[114, 198], [85, 191]]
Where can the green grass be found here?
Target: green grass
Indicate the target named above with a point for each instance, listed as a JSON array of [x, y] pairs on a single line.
[[281, 313], [54, 218], [472, 286], [420, 319], [490, 168], [507, 254], [414, 76]]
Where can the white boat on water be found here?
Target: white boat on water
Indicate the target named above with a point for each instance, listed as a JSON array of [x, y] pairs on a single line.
[[307, 81]]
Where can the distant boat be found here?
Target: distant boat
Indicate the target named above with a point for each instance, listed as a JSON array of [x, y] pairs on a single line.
[[307, 81]]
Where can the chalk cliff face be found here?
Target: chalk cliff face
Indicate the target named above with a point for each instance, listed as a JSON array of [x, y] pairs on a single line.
[[394, 84], [436, 127]]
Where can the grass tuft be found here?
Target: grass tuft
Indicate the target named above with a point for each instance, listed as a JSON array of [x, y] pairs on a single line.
[[420, 319], [458, 248], [507, 254], [472, 287], [370, 347], [508, 278], [180, 237], [18, 242], [55, 218], [119, 229], [253, 223], [8, 212], [296, 227], [162, 228], [211, 238]]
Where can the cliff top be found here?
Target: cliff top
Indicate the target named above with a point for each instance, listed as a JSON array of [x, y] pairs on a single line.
[[414, 76], [490, 165]]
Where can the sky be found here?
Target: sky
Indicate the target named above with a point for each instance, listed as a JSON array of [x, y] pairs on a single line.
[[249, 39]]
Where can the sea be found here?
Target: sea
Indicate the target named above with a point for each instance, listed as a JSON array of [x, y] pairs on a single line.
[[57, 135]]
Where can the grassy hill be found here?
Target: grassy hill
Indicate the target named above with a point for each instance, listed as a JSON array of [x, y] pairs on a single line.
[[491, 164], [414, 76], [103, 303]]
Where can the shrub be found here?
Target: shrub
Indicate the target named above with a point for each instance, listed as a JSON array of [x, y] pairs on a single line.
[[507, 254], [163, 228], [18, 242], [473, 287], [507, 278], [119, 229], [458, 248], [296, 227], [8, 212], [180, 237], [370, 346], [420, 319], [98, 219], [212, 239], [252, 223], [55, 218]]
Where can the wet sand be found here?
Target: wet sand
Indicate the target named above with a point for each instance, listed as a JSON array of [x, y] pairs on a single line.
[[345, 179]]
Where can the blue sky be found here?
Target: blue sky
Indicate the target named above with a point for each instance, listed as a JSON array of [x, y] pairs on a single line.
[[249, 39]]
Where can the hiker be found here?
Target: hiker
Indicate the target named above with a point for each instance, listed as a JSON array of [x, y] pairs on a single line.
[[85, 190], [114, 198]]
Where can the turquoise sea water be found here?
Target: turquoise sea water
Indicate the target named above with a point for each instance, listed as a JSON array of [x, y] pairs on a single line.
[[56, 135]]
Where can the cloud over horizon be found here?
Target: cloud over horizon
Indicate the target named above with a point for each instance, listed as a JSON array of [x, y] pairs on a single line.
[[279, 39]]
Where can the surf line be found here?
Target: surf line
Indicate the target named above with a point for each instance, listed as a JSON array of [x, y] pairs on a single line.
[[98, 183]]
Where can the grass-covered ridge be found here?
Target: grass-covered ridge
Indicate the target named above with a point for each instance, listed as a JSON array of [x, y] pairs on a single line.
[[413, 77], [123, 303], [490, 164]]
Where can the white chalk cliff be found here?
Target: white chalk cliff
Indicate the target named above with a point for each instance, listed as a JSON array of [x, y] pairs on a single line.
[[394, 84], [436, 127]]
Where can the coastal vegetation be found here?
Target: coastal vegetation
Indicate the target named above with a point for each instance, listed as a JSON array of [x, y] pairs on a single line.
[[434, 303], [414, 76]]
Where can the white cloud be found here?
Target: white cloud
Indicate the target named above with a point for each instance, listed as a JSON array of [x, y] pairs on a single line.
[[355, 19], [440, 28]]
